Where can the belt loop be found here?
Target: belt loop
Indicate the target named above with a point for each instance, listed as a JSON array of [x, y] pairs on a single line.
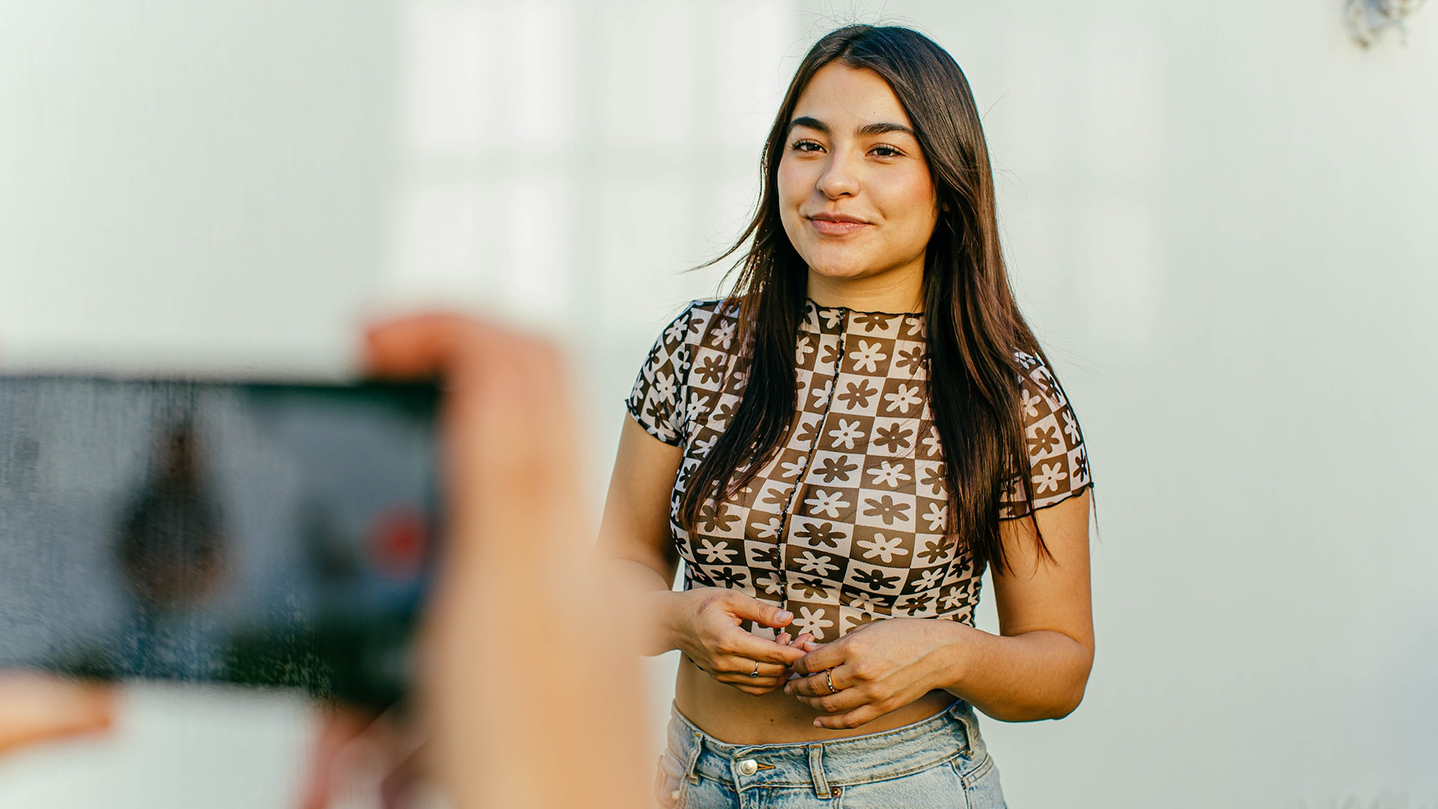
[[816, 771], [689, 766], [962, 712]]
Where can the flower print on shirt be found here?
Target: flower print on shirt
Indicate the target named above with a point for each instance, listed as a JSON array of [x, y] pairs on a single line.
[[886, 509], [933, 551], [811, 621], [716, 551], [1043, 440], [809, 562], [857, 394], [934, 481], [884, 549], [894, 438], [711, 370], [770, 583], [827, 503], [1049, 477], [873, 321], [910, 360], [835, 469], [875, 579], [723, 334], [847, 433], [937, 518], [812, 588], [803, 348], [868, 357], [889, 474], [902, 400], [821, 533], [768, 530]]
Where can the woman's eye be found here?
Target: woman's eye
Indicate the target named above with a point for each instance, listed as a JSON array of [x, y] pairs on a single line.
[[886, 151], [806, 146]]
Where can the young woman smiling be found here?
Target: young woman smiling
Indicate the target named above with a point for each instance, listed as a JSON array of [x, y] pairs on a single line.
[[838, 450]]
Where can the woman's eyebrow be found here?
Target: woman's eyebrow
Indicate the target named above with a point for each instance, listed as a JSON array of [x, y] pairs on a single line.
[[883, 128], [865, 131], [809, 123]]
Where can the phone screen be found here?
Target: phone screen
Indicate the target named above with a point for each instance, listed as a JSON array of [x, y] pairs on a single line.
[[259, 534]]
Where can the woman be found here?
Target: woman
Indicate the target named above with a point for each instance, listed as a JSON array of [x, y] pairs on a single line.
[[839, 449]]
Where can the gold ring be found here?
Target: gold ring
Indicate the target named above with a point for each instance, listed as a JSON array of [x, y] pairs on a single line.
[[829, 681]]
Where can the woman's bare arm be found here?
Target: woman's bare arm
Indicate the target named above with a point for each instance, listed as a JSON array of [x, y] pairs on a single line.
[[1038, 665], [703, 623], [634, 536]]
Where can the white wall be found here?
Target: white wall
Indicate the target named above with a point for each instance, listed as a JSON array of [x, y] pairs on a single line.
[[1216, 217]]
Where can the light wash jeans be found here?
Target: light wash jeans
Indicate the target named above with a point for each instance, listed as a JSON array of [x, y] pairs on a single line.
[[938, 762]]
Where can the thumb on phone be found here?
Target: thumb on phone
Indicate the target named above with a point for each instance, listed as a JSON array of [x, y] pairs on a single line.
[[34, 708]]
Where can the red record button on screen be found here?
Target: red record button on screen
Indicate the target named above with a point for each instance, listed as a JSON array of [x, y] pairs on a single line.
[[397, 541]]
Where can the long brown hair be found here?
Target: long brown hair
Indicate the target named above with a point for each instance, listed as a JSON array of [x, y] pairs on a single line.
[[973, 323]]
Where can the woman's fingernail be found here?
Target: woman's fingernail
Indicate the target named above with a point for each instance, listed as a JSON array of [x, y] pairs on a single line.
[[784, 615]]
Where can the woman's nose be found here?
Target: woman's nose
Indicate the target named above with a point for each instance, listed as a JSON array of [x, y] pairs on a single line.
[[839, 179]]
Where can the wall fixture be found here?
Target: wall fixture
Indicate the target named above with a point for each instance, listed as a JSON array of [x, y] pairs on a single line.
[[1368, 19]]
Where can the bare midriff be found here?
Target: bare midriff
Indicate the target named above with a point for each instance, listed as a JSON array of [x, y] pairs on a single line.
[[731, 716]]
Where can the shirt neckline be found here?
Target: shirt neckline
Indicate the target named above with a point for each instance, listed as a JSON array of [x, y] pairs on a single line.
[[850, 310]]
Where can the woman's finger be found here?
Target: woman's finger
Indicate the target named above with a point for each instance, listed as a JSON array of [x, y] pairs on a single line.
[[743, 668], [848, 721], [841, 702], [818, 684], [822, 657], [739, 645]]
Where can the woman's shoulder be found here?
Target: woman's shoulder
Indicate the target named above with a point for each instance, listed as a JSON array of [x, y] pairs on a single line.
[[698, 321]]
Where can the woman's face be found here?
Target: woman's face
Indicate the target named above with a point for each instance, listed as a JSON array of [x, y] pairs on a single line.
[[855, 194]]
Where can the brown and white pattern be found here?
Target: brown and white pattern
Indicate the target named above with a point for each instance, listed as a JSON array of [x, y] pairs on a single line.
[[846, 524]]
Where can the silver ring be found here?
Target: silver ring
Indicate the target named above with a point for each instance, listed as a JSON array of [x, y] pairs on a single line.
[[755, 672], [829, 681]]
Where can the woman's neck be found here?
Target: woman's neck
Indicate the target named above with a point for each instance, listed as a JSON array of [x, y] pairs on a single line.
[[893, 295]]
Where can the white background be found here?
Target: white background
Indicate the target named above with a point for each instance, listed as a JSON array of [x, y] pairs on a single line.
[[1219, 217]]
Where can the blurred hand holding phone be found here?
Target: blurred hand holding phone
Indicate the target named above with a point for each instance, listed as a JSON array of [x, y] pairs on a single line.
[[519, 646], [217, 531]]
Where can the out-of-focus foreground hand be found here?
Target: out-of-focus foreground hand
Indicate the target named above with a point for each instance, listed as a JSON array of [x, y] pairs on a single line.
[[529, 684], [34, 708]]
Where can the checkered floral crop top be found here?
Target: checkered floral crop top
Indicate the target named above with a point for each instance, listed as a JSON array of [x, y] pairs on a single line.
[[846, 524]]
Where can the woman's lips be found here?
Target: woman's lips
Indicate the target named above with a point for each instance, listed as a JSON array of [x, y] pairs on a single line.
[[836, 227]]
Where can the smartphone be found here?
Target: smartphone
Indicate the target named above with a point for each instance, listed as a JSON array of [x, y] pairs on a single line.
[[217, 531]]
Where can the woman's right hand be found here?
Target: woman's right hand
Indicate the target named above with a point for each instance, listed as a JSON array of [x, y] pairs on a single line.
[[707, 627]]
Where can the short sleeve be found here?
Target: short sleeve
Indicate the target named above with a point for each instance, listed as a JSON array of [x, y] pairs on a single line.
[[1058, 462], [657, 400]]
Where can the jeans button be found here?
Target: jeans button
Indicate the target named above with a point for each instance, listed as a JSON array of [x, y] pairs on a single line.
[[748, 766]]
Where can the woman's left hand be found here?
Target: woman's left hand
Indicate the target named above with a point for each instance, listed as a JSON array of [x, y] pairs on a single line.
[[875, 670]]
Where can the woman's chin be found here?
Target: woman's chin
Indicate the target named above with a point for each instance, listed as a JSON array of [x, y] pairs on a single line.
[[838, 272]]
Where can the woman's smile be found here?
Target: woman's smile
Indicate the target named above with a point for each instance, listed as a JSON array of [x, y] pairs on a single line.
[[833, 224]]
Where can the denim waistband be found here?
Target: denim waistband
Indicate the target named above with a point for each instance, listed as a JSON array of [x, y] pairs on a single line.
[[825, 765]]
